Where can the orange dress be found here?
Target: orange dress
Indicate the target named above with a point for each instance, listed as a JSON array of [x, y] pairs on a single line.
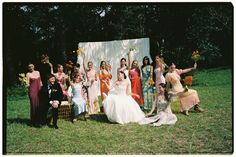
[[104, 75], [187, 99]]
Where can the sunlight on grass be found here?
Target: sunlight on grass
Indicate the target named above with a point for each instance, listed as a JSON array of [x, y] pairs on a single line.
[[200, 133]]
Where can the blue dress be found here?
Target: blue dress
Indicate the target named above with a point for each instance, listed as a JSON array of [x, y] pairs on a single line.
[[77, 99], [148, 92]]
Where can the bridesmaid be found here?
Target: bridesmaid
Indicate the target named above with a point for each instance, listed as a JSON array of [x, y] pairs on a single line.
[[34, 85], [104, 76], [188, 97], [159, 69], [61, 79], [147, 82], [92, 77], [123, 67], [136, 85], [76, 96]]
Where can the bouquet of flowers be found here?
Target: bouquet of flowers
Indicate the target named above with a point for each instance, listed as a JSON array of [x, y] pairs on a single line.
[[79, 51], [195, 56], [23, 80], [150, 82]]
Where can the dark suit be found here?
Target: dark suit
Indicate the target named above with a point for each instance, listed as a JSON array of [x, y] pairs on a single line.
[[51, 93]]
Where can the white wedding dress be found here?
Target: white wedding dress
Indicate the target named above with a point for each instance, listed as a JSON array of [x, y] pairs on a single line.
[[122, 108]]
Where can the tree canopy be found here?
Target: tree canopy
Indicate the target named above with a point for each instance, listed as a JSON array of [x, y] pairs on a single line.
[[175, 29]]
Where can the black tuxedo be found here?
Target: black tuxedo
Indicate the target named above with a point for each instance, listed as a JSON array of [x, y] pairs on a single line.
[[50, 93]]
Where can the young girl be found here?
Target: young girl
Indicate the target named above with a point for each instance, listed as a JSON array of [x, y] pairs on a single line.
[[164, 112]]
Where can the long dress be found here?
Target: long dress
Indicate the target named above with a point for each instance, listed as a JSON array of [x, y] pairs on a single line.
[[164, 113], [159, 78], [77, 99], [122, 108], [136, 86], [93, 107], [148, 93], [187, 99], [33, 92], [104, 77]]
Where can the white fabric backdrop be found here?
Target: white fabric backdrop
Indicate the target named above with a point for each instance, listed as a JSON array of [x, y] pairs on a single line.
[[113, 51]]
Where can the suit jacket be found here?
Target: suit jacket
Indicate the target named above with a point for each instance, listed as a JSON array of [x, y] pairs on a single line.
[[50, 93]]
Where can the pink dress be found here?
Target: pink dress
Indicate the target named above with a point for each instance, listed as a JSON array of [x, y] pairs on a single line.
[[93, 106], [34, 88], [159, 78], [187, 99], [62, 81]]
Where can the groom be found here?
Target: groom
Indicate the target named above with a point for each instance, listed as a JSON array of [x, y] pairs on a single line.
[[52, 96]]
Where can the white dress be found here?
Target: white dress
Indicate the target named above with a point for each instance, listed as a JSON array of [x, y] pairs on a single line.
[[122, 108], [164, 113], [77, 99]]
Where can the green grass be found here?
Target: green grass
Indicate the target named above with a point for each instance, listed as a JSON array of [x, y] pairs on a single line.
[[199, 133]]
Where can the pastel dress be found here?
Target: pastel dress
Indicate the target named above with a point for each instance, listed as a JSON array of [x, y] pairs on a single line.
[[164, 113], [93, 106], [104, 77], [148, 92], [136, 86], [159, 78], [122, 108], [187, 99], [77, 99], [33, 92], [61, 80]]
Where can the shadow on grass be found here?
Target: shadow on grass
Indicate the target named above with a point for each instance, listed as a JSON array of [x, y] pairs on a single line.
[[102, 118], [19, 121]]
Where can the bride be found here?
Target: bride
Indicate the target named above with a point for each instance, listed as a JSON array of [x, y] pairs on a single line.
[[120, 107]]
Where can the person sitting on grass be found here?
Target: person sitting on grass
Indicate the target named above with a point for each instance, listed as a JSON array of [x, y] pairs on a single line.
[[76, 96], [162, 103], [188, 97]]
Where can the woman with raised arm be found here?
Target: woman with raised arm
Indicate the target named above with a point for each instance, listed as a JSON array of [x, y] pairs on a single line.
[[34, 86], [120, 107], [92, 77], [188, 97], [159, 68], [135, 78], [61, 78]]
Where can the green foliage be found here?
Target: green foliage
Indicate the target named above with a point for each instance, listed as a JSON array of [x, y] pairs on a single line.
[[200, 133], [57, 28]]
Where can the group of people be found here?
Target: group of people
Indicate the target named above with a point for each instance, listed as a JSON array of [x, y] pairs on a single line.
[[123, 101]]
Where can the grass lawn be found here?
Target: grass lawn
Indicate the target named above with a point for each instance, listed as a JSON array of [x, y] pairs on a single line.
[[200, 133]]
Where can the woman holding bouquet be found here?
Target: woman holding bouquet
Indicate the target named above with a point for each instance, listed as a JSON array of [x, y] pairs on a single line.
[[188, 97], [147, 83]]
